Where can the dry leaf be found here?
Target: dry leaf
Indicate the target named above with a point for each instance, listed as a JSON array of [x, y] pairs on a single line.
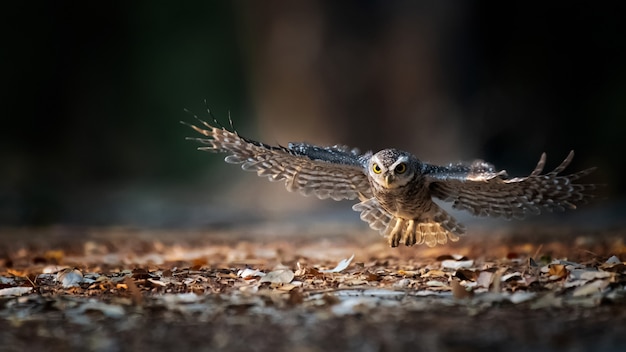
[[613, 260], [459, 291], [69, 277], [467, 274], [435, 273], [15, 291], [343, 264], [280, 276], [516, 275], [497, 280], [556, 271], [485, 278], [590, 288], [286, 287], [456, 264], [157, 282], [435, 283], [249, 273]]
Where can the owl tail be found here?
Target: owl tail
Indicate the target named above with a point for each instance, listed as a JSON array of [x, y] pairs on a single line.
[[435, 227]]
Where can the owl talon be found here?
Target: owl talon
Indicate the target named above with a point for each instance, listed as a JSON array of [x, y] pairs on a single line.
[[409, 239], [394, 240], [409, 235]]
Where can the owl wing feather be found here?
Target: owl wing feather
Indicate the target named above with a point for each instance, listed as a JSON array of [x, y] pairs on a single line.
[[483, 191], [326, 172]]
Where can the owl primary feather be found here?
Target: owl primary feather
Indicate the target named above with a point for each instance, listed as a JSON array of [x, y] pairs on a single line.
[[396, 190]]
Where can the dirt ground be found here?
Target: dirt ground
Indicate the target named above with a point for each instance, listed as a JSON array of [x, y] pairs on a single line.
[[117, 289]]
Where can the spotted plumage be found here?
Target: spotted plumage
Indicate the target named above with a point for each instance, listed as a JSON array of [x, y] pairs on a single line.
[[396, 190]]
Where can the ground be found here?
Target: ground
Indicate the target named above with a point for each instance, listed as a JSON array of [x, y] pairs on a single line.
[[298, 289]]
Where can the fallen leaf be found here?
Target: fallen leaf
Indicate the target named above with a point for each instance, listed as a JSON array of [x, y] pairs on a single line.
[[249, 273], [590, 288], [157, 282], [280, 276], [459, 291], [435, 273], [402, 283], [456, 264], [467, 274], [69, 277], [435, 283], [516, 275], [613, 260], [372, 277], [140, 273], [556, 269], [301, 270], [15, 291], [411, 273], [497, 280], [343, 264], [595, 274]]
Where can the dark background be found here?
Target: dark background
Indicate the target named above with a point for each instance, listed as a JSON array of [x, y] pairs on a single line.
[[92, 94]]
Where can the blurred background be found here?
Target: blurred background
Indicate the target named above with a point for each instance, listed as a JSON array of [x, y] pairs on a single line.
[[93, 92]]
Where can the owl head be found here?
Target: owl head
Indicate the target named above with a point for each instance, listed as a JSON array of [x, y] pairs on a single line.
[[392, 168]]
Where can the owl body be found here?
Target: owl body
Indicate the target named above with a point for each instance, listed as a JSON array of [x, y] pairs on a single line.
[[396, 189], [404, 194]]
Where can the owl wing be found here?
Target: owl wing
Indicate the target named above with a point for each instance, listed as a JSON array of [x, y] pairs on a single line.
[[326, 172], [481, 190]]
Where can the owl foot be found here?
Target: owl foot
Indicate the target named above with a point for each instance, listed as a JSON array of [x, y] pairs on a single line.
[[437, 228]]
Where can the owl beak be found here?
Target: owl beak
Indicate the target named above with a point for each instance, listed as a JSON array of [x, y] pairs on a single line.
[[388, 180]]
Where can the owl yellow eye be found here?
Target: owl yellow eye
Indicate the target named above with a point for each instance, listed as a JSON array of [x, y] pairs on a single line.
[[376, 168], [401, 168]]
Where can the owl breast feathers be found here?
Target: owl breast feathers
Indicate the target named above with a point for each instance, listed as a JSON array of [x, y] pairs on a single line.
[[396, 190]]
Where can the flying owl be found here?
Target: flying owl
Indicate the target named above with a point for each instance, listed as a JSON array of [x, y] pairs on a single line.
[[395, 189]]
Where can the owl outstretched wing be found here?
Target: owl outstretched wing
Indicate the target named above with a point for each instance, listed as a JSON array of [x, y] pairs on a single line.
[[483, 191], [327, 172]]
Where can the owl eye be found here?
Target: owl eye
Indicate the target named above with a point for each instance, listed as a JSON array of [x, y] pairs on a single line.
[[376, 168], [401, 168]]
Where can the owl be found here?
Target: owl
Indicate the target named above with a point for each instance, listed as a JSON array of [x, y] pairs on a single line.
[[395, 190]]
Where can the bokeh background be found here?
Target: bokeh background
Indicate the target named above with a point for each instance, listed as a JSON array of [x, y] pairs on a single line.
[[92, 95]]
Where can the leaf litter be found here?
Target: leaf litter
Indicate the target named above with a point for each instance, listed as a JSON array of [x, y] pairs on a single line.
[[272, 278]]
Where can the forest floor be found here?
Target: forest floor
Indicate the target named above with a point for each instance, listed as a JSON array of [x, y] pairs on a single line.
[[116, 289]]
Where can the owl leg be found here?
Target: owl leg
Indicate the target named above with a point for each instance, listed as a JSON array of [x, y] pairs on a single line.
[[394, 233], [436, 227], [379, 219], [410, 234]]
